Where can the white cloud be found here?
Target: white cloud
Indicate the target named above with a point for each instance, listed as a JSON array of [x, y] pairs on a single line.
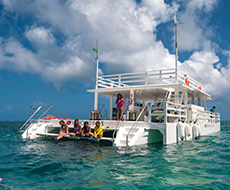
[[38, 103], [194, 35], [122, 27], [200, 66], [40, 35], [15, 57], [9, 107], [127, 40]]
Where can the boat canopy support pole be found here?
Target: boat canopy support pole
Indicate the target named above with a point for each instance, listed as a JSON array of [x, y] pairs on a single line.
[[131, 107], [199, 100], [193, 99], [186, 103], [111, 108], [177, 95], [204, 103], [185, 98], [95, 101]]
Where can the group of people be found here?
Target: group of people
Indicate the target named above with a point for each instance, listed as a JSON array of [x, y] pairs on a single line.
[[79, 131]]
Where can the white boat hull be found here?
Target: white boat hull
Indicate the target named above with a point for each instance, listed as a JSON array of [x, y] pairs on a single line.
[[142, 133]]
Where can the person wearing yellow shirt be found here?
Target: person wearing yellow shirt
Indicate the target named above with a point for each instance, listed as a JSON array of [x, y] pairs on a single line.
[[98, 133]]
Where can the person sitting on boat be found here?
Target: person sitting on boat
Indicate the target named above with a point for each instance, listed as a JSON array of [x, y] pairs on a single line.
[[98, 133], [120, 102], [77, 129], [64, 130], [87, 130]]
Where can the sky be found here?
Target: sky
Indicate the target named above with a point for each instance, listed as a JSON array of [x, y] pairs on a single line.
[[46, 55]]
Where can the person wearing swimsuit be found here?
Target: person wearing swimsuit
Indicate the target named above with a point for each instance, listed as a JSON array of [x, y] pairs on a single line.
[[87, 130], [77, 129], [120, 102], [64, 130]]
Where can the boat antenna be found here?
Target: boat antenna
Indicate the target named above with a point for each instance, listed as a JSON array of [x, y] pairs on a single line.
[[176, 49]]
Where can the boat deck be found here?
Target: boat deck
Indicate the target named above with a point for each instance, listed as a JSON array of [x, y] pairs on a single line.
[[76, 138]]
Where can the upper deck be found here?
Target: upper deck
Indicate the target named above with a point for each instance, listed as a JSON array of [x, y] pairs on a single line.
[[145, 81]]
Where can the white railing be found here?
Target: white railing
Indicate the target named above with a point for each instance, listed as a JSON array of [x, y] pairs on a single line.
[[30, 118], [165, 111], [207, 116], [168, 111], [148, 78], [191, 82], [34, 121]]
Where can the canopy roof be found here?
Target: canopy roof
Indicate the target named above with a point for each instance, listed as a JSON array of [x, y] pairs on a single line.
[[151, 93]]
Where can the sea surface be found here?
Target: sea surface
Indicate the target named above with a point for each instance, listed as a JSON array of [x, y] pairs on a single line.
[[45, 164]]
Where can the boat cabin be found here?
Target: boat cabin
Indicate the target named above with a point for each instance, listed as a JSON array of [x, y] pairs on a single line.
[[166, 95]]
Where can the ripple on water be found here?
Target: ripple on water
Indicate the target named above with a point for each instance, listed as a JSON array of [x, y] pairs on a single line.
[[44, 164]]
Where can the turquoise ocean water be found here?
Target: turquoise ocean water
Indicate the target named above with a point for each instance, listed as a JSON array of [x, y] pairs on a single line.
[[44, 164]]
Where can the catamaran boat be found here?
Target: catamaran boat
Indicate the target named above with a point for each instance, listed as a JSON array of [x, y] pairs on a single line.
[[162, 106], [166, 113]]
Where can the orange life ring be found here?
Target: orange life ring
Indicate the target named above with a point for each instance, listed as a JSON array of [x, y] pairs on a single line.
[[200, 88], [187, 81], [68, 122]]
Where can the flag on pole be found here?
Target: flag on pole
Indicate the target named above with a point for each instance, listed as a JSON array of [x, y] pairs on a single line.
[[95, 49]]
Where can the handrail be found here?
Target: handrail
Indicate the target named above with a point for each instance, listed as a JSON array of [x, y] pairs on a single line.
[[146, 79], [127, 136], [193, 83], [119, 121], [45, 112], [137, 72], [40, 118], [121, 79], [30, 117]]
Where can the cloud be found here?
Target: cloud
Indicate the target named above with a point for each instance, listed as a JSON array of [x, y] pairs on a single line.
[[38, 103], [201, 66], [40, 35], [195, 34], [124, 29], [15, 57], [64, 32], [7, 108]]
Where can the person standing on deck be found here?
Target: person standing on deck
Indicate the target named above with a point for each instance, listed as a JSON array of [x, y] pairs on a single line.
[[98, 133], [120, 102], [213, 109]]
